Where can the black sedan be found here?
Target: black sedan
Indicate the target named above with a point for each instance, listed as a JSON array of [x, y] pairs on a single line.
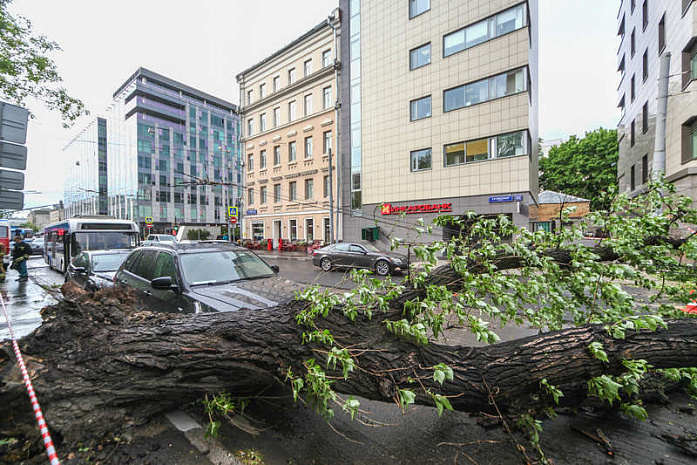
[[95, 269], [203, 277], [363, 255]]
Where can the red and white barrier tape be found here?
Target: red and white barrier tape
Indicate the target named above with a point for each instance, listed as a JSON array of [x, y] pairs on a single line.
[[48, 442]]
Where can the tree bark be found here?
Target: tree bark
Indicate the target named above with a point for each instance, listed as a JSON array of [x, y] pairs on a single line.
[[97, 365]]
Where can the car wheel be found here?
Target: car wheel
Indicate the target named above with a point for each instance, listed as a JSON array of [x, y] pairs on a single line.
[[326, 264], [382, 268]]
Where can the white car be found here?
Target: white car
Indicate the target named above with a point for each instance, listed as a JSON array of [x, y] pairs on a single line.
[[159, 239]]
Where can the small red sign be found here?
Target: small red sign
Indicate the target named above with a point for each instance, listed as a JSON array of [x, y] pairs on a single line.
[[388, 209], [233, 219], [149, 225]]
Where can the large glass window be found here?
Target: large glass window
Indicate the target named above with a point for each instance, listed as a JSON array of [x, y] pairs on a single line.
[[510, 145], [421, 160], [487, 29], [455, 154], [509, 83], [416, 7], [477, 150], [420, 56], [420, 108]]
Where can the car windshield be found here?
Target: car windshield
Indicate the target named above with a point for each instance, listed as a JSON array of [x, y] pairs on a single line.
[[108, 262], [104, 240], [166, 238], [371, 248], [222, 266]]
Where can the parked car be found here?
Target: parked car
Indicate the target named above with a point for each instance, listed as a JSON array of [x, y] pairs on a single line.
[[159, 238], [363, 255], [203, 277], [95, 269], [37, 246]]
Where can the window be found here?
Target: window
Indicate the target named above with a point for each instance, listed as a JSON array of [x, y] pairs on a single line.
[[416, 7], [292, 152], [645, 169], [262, 160], [645, 65], [689, 140], [262, 122], [326, 58], [262, 195], [421, 160], [250, 127], [326, 142], [662, 34], [276, 83], [308, 104], [504, 22], [454, 154], [420, 56], [262, 90], [420, 108], [632, 89], [325, 190], [645, 14], [250, 197], [505, 84], [277, 116], [693, 64], [645, 118], [291, 76], [632, 179], [307, 68], [249, 96], [689, 65], [293, 191], [621, 68], [250, 162], [631, 134], [277, 155], [277, 193], [477, 150], [510, 145], [632, 42], [327, 97], [308, 147], [291, 111], [293, 226], [309, 189]]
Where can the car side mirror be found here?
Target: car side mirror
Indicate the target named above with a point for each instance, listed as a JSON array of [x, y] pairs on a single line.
[[275, 268], [164, 283], [79, 269]]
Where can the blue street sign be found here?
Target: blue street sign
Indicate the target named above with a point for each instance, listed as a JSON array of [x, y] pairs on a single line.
[[231, 211], [250, 212], [501, 198]]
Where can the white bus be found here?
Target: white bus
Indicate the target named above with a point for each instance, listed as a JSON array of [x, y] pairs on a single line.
[[63, 240]]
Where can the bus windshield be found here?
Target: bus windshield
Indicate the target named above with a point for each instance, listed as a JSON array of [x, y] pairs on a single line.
[[103, 240]]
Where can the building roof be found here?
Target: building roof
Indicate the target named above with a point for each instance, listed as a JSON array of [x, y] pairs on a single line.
[[175, 85], [309, 33], [558, 197]]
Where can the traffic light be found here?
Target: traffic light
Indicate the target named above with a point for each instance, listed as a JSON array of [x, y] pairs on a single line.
[[13, 155]]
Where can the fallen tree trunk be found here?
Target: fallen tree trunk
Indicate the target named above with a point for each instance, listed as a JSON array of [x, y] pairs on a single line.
[[96, 366]]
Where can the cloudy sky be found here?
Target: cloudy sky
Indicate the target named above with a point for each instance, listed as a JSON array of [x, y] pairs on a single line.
[[205, 43]]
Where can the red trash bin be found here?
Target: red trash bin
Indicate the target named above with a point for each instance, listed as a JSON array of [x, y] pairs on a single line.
[[269, 245]]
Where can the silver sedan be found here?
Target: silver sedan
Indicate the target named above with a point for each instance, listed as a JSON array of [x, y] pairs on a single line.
[[363, 255]]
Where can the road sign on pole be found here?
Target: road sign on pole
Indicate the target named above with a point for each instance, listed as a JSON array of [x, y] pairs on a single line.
[[12, 180], [233, 219], [148, 220], [11, 200], [13, 123], [232, 211], [13, 156]]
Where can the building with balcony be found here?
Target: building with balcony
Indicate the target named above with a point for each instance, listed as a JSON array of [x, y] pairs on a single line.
[[439, 113], [289, 117], [162, 151], [649, 29]]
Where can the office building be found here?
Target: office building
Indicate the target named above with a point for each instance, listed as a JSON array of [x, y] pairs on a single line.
[[439, 104], [289, 116], [649, 29], [162, 152]]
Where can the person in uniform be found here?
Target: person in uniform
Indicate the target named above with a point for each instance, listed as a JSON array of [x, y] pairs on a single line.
[[20, 255]]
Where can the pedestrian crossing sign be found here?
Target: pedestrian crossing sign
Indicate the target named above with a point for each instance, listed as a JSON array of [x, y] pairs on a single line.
[[231, 211]]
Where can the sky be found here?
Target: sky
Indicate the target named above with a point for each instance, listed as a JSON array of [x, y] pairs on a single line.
[[205, 44]]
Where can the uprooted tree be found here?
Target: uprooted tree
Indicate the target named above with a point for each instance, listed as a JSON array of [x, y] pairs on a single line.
[[99, 365]]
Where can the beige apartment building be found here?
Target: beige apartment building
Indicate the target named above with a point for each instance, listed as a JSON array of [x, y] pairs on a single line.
[[289, 124], [438, 114]]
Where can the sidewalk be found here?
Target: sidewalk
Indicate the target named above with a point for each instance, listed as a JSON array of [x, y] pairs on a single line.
[[277, 255]]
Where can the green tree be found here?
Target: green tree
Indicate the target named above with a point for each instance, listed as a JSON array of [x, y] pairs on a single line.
[[27, 71], [585, 167]]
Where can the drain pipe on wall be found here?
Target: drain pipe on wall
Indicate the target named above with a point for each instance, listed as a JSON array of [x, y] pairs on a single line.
[[658, 167], [337, 105]]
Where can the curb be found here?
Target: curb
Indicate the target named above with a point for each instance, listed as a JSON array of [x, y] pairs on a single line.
[[195, 434]]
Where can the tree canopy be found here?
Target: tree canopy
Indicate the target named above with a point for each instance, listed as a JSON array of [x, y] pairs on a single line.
[[26, 69], [585, 167]]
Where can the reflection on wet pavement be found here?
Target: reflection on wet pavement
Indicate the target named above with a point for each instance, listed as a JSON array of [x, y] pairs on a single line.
[[24, 300]]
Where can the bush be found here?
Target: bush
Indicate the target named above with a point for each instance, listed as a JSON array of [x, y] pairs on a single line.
[[197, 234]]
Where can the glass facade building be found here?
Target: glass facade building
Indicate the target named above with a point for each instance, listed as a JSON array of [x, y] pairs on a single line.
[[163, 151]]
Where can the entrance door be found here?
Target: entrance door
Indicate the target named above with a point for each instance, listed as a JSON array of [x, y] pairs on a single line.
[[309, 230], [276, 233], [326, 230]]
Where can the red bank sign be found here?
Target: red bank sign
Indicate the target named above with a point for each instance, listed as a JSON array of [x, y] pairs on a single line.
[[388, 209]]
